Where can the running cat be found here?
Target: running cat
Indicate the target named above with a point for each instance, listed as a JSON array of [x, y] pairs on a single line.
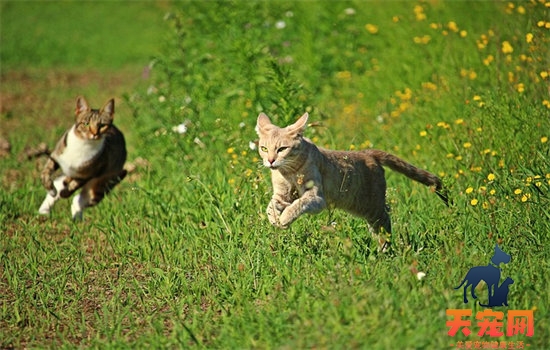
[[307, 179], [91, 155]]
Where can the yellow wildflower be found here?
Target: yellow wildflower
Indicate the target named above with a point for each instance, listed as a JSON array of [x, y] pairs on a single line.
[[487, 61], [419, 13], [517, 191], [343, 74], [463, 33], [520, 87], [544, 74], [474, 202], [230, 150], [422, 39], [529, 38], [452, 26], [544, 139], [459, 121], [429, 86], [467, 145], [507, 47], [371, 28], [469, 190], [491, 177], [423, 133]]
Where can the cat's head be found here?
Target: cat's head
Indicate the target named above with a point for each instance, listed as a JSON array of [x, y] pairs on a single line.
[[91, 124], [280, 147]]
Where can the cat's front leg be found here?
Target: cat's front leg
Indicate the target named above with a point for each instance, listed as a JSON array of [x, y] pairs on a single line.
[[274, 210], [50, 199], [312, 202], [46, 176]]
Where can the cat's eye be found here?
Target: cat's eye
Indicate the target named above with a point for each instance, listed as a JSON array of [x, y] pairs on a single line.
[[263, 148], [281, 149]]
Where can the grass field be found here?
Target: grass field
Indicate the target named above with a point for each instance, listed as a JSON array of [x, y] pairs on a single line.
[[181, 254]]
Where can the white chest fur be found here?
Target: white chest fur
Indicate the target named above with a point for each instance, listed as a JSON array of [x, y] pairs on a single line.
[[77, 152]]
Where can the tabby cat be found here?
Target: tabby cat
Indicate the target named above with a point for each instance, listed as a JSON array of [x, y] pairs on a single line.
[[91, 155], [307, 179]]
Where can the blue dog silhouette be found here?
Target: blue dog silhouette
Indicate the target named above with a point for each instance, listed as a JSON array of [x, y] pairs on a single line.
[[489, 273]]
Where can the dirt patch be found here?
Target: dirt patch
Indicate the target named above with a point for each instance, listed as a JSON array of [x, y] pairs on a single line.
[[44, 99]]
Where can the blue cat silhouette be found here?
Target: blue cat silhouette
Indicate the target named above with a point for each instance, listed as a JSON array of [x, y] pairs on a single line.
[[500, 296], [489, 273]]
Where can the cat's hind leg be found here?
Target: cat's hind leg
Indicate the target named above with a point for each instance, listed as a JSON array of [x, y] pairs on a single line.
[[380, 224], [70, 185], [51, 198], [93, 192]]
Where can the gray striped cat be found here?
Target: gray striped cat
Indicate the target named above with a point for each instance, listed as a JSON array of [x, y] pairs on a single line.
[[91, 155], [307, 179]]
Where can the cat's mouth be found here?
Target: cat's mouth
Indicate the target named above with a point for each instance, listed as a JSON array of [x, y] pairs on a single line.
[[94, 137]]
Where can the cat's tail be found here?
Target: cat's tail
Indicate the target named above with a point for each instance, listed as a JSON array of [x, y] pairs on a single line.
[[424, 177], [38, 151]]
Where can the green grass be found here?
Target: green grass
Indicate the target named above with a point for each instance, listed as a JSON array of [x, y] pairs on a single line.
[[181, 254]]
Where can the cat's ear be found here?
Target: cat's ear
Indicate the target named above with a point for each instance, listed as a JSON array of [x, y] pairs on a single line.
[[109, 107], [81, 105], [262, 123], [299, 126]]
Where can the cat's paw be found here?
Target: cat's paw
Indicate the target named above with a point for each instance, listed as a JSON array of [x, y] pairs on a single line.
[[50, 187], [77, 208], [285, 219], [65, 193], [273, 217]]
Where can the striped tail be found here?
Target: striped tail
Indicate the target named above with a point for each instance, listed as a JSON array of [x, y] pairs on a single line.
[[424, 177]]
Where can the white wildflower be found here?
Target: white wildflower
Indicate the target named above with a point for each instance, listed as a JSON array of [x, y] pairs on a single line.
[[280, 24], [180, 129], [349, 11]]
